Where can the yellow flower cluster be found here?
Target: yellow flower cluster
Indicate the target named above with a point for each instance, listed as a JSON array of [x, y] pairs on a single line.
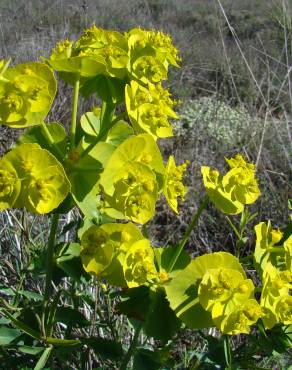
[[119, 253], [273, 259], [135, 175], [139, 58], [26, 94], [276, 302], [236, 188], [138, 54], [31, 177], [228, 295]]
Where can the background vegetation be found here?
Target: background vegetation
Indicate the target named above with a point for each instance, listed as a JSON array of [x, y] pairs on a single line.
[[235, 87]]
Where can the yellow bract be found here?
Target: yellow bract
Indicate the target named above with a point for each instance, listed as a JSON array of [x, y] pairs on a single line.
[[139, 265], [27, 92], [266, 238], [32, 177], [233, 190], [149, 109], [150, 53], [173, 185], [135, 192], [119, 253], [144, 55], [241, 318], [228, 295], [288, 253], [132, 179], [9, 185], [276, 302]]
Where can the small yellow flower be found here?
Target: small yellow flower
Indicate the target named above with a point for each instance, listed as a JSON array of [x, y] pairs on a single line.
[[173, 183]]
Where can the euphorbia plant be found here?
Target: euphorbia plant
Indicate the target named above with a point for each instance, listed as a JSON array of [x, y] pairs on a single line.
[[109, 165]]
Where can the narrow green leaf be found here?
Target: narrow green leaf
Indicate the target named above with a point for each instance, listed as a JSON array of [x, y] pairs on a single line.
[[20, 325], [43, 359], [63, 342], [31, 350], [31, 295]]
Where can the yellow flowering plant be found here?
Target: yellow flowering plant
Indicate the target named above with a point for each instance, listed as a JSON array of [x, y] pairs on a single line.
[[109, 166]]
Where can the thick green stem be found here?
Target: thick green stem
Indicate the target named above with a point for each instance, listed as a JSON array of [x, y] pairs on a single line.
[[50, 257], [74, 113], [187, 234], [132, 347]]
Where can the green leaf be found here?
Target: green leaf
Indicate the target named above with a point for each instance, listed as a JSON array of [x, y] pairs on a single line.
[[7, 335], [164, 257], [107, 349], [22, 326], [135, 302], [4, 321], [31, 350], [70, 316], [37, 135], [31, 295], [43, 359], [63, 342], [161, 322], [145, 359], [90, 124], [68, 260], [107, 88], [84, 177], [118, 133]]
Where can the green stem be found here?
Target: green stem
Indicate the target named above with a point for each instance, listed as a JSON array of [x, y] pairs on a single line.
[[187, 234], [51, 140], [74, 112], [132, 347], [279, 250], [50, 258], [234, 228], [227, 352]]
